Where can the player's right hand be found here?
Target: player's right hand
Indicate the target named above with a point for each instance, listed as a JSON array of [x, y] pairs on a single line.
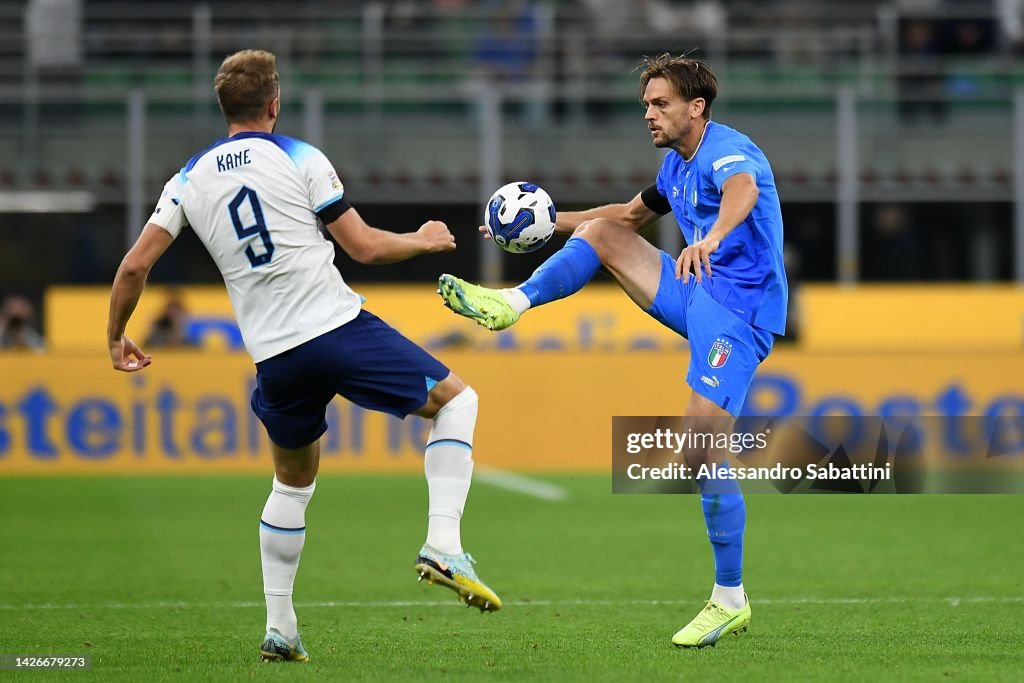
[[436, 237], [127, 356], [484, 232]]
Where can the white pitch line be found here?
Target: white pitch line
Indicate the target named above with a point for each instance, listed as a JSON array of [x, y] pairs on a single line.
[[250, 604], [518, 483]]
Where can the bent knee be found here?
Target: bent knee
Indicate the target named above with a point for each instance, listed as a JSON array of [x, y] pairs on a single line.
[[603, 234], [464, 403], [599, 228], [442, 394], [447, 389]]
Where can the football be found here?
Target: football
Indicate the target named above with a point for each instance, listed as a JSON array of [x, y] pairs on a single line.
[[520, 217]]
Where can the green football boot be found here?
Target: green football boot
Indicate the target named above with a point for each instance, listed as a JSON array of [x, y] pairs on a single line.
[[487, 307], [713, 622]]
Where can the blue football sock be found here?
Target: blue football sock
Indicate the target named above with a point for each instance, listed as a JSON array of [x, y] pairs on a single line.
[[726, 517], [565, 273]]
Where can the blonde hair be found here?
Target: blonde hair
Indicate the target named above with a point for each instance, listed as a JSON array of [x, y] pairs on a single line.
[[246, 83]]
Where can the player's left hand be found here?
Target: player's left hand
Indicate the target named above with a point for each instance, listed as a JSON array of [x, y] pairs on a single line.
[[696, 257], [127, 356]]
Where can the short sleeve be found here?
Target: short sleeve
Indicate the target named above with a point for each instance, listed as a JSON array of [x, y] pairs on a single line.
[[729, 161], [326, 192], [169, 213]]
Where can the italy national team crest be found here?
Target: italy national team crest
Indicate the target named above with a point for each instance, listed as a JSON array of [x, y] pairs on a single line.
[[720, 351]]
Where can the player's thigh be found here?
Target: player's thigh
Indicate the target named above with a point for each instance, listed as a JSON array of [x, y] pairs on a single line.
[[633, 261], [291, 401], [670, 306], [725, 352], [700, 406], [373, 365]]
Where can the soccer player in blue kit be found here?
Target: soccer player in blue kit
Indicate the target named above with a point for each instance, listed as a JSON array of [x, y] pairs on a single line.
[[726, 292], [255, 200]]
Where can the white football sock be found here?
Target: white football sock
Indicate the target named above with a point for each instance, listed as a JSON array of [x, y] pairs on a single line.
[[282, 534], [730, 597], [448, 464], [518, 300]]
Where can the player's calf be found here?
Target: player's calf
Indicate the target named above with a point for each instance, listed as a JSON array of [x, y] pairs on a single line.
[[448, 465]]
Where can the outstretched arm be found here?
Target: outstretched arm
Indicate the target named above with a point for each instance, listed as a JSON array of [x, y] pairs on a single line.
[[371, 245], [129, 282], [635, 214]]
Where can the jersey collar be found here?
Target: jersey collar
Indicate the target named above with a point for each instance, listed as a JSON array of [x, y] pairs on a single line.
[[703, 134]]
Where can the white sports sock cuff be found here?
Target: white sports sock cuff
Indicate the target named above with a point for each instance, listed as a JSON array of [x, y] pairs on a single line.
[[456, 419], [465, 397], [299, 493], [517, 299]]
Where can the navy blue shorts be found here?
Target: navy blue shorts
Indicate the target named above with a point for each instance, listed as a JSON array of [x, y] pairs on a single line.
[[724, 350], [366, 360]]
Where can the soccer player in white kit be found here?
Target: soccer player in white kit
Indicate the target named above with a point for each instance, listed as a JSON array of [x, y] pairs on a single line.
[[254, 199]]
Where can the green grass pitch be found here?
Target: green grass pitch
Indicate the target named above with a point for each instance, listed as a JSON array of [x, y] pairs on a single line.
[[158, 578]]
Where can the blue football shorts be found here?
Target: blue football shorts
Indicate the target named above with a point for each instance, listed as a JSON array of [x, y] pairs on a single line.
[[365, 360], [724, 349]]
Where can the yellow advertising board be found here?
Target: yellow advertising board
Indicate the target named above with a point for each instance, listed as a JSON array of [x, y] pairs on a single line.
[[919, 318], [600, 318], [189, 411]]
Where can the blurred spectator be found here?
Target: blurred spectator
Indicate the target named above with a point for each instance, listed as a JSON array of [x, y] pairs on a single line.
[[920, 78], [16, 330], [799, 36], [507, 47], [1010, 14], [706, 17], [53, 34], [891, 248], [170, 329], [412, 29], [610, 19], [968, 40], [971, 37]]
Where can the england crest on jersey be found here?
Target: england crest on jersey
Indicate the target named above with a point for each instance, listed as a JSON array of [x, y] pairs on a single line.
[[719, 354]]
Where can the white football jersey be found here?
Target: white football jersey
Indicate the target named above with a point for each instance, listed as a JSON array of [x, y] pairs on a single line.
[[253, 199]]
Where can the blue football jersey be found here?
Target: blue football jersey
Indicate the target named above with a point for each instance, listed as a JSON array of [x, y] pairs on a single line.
[[748, 275]]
